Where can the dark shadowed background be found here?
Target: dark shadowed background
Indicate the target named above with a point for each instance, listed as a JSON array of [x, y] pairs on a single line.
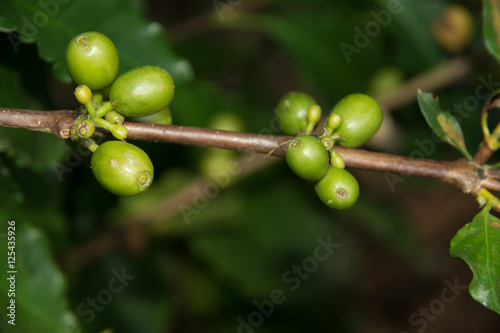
[[233, 242]]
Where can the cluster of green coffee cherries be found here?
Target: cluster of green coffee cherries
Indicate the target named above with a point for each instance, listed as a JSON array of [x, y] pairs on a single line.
[[144, 94], [140, 94], [351, 123]]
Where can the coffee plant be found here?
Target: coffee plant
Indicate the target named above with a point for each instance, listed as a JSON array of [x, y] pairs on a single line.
[[249, 166]]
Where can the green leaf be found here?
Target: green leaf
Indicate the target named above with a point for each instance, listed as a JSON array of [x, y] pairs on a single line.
[[11, 198], [491, 27], [393, 234], [138, 311], [253, 241], [445, 125], [413, 44], [35, 150], [40, 287], [478, 244], [320, 52], [53, 24], [38, 151], [10, 88]]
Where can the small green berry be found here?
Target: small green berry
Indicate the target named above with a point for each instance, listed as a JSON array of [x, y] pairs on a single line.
[[215, 164], [226, 121], [314, 114], [338, 189], [83, 94], [92, 60], [119, 131], [336, 160], [291, 112], [333, 122], [361, 119], [122, 168], [142, 91], [307, 157], [385, 80]]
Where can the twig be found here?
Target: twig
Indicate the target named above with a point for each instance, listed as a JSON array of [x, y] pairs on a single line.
[[458, 173], [443, 75], [57, 123], [461, 173], [483, 155]]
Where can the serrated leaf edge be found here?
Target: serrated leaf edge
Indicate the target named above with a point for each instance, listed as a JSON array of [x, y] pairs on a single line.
[[496, 306]]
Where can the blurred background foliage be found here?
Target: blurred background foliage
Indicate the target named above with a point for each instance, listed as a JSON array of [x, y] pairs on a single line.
[[201, 262]]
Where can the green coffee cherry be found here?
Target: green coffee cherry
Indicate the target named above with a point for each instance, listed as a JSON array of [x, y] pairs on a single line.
[[385, 80], [333, 122], [122, 168], [361, 119], [307, 157], [142, 91], [92, 60], [226, 121], [105, 93], [338, 189], [219, 165], [292, 111]]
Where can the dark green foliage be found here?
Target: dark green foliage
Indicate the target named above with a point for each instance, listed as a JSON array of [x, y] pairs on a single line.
[[209, 254]]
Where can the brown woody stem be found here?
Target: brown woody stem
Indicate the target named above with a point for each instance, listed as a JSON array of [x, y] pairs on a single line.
[[465, 175]]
